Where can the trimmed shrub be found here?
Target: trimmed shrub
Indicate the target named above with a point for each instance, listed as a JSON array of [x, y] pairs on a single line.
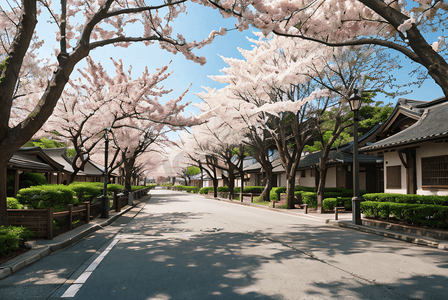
[[223, 189], [253, 189], [135, 187], [191, 189], [237, 190], [409, 199], [44, 196], [205, 190], [13, 203], [276, 191], [299, 188], [10, 236], [85, 191], [309, 198], [331, 203], [417, 214], [113, 187]]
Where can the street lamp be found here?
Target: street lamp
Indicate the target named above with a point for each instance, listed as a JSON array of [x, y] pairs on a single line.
[[105, 199], [355, 103]]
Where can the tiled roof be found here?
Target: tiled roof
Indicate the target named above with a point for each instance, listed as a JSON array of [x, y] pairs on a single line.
[[432, 124], [33, 159]]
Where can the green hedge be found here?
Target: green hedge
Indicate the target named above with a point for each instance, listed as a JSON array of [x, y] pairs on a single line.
[[331, 203], [205, 190], [189, 189], [10, 236], [44, 196], [309, 198], [409, 199], [136, 187], [253, 189], [13, 203], [417, 214], [85, 191], [236, 190]]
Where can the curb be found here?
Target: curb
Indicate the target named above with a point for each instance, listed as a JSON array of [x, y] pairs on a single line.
[[442, 245], [41, 252]]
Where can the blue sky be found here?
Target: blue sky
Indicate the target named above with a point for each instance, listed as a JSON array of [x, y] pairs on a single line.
[[197, 25]]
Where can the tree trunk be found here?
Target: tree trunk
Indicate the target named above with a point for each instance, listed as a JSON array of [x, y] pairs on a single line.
[[3, 195], [321, 186], [266, 195], [290, 184], [231, 182]]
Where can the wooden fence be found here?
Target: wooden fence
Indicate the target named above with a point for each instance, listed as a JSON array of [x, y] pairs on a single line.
[[40, 221]]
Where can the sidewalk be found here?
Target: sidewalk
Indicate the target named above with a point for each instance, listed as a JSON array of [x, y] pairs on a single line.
[[43, 247], [429, 237]]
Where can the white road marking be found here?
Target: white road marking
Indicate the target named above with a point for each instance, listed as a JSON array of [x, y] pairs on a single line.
[[76, 286]]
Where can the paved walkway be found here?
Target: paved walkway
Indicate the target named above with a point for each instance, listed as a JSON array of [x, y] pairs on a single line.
[[42, 247]]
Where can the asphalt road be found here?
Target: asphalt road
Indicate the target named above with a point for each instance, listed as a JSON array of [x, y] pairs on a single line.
[[182, 246]]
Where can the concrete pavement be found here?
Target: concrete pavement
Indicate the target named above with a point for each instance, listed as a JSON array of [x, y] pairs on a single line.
[[42, 248]]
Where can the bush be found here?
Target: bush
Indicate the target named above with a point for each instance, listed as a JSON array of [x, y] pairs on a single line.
[[253, 189], [135, 187], [237, 190], [409, 199], [85, 191], [113, 187], [39, 197], [299, 188], [331, 203], [275, 193], [13, 203], [205, 190], [417, 214], [309, 198], [32, 179], [223, 189], [191, 189], [10, 236]]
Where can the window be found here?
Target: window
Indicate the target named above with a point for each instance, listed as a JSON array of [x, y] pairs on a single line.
[[435, 171], [393, 177], [303, 173]]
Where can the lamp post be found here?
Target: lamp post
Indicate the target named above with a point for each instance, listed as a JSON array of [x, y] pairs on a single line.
[[105, 199], [355, 104]]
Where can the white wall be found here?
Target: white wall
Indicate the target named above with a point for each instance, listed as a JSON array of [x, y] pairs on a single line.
[[330, 182], [307, 180], [281, 179], [428, 150], [392, 159]]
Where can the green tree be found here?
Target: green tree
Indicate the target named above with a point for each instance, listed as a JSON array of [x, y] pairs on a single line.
[[193, 170]]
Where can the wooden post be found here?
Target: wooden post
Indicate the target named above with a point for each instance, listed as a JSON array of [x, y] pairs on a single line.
[[87, 204], [251, 198], [70, 216], [50, 212], [114, 205], [118, 207]]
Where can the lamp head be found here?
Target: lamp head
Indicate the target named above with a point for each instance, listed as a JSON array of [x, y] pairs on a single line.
[[355, 101]]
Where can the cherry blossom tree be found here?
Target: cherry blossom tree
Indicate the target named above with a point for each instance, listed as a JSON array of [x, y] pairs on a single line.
[[97, 101], [398, 25], [287, 85], [83, 26]]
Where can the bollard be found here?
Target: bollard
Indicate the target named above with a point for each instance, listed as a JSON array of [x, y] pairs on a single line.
[[306, 208], [251, 198], [335, 213]]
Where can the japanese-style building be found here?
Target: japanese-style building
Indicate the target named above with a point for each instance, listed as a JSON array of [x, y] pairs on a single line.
[[414, 145]]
